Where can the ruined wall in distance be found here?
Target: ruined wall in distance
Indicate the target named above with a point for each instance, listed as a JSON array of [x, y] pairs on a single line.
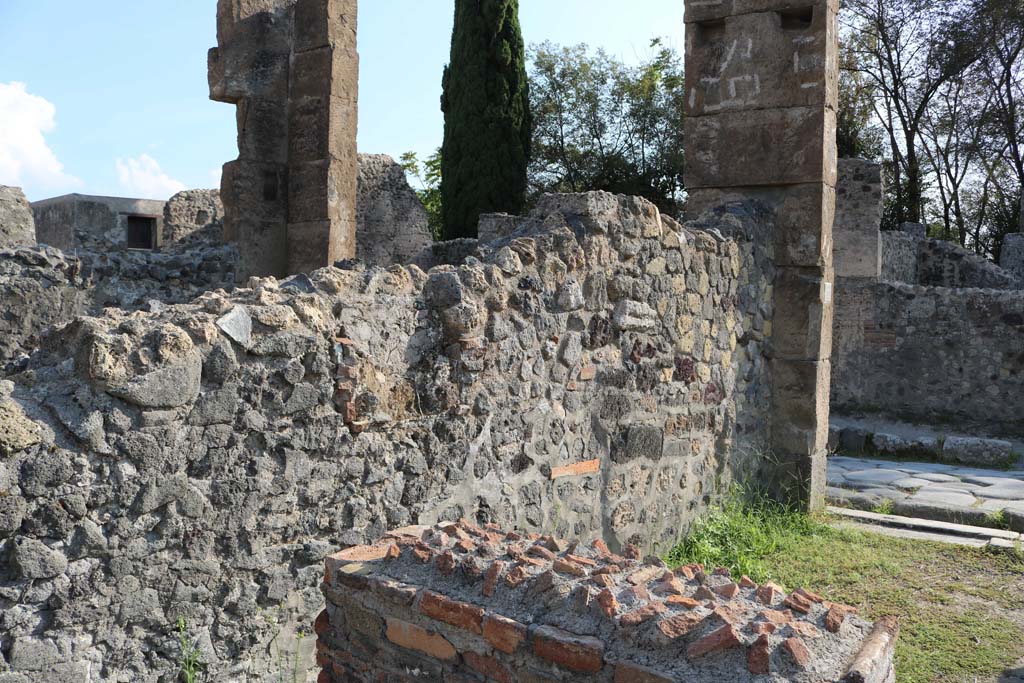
[[17, 227], [939, 263], [601, 375], [42, 287], [391, 224], [930, 354]]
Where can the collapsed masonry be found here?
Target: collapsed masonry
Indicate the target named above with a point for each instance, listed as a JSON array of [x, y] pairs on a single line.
[[924, 331], [291, 68], [462, 602], [41, 288], [17, 227]]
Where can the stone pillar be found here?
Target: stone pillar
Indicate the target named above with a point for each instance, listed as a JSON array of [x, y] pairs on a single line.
[[857, 233], [249, 69], [762, 78], [290, 67], [1012, 256], [322, 160]]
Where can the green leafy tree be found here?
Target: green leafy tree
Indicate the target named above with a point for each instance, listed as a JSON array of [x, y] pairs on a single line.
[[487, 119], [857, 133], [427, 175], [602, 125]]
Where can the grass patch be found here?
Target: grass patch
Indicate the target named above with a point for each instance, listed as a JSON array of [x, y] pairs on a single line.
[[884, 508], [961, 609]]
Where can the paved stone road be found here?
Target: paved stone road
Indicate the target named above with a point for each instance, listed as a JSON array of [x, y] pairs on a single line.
[[928, 490]]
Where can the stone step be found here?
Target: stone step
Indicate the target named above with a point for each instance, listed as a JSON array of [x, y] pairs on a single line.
[[884, 438], [929, 526]]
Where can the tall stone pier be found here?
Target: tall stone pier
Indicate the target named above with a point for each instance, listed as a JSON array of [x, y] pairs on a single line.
[[762, 78], [292, 70]]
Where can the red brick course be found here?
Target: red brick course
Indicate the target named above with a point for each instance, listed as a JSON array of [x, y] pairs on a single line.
[[460, 603]]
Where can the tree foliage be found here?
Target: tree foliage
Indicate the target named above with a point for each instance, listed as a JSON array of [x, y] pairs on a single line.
[[603, 125], [427, 175], [946, 84], [487, 123]]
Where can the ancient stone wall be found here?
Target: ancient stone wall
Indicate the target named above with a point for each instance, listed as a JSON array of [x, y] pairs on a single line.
[[291, 68], [899, 257], [392, 225], [1012, 257], [43, 287], [857, 240], [96, 223], [601, 375], [945, 264], [463, 602], [193, 216], [930, 354], [17, 227], [916, 260], [934, 338]]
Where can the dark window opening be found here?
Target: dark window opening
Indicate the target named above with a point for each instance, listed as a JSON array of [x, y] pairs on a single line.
[[141, 233], [270, 186], [799, 19], [711, 31]]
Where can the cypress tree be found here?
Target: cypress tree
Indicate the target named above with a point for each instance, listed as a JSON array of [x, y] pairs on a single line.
[[486, 116]]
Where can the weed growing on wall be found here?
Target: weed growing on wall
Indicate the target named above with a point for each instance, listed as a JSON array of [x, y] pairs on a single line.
[[188, 658]]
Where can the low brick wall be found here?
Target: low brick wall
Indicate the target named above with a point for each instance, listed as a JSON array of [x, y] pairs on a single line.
[[460, 603]]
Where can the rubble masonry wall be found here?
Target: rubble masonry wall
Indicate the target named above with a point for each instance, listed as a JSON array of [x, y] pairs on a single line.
[[935, 338], [600, 375]]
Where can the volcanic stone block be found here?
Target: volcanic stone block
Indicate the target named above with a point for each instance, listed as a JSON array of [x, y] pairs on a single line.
[[765, 147], [322, 23], [719, 9], [760, 61], [801, 403], [803, 314], [800, 211]]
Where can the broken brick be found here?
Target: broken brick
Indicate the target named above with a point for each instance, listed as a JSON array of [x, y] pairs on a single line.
[[798, 651], [836, 616], [639, 616], [582, 654], [503, 634], [724, 638], [729, 590], [678, 626], [607, 602], [463, 615], [759, 656]]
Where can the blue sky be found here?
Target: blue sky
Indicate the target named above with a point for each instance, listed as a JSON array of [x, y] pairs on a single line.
[[110, 96]]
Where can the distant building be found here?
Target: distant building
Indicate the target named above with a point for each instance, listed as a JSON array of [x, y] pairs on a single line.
[[77, 221]]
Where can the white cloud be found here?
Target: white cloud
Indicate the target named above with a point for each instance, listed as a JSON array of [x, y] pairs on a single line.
[[25, 157], [143, 178]]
